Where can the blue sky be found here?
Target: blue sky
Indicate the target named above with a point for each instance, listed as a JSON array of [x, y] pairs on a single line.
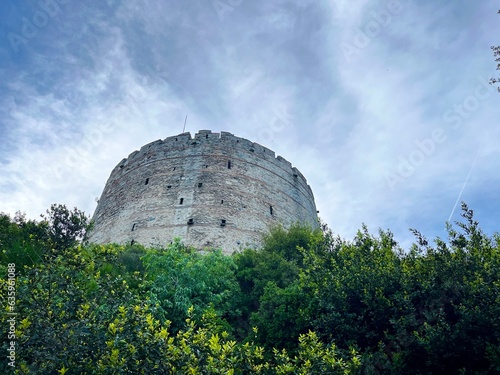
[[385, 107]]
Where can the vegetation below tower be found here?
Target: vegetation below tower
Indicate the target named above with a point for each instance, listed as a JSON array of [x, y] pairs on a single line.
[[307, 302]]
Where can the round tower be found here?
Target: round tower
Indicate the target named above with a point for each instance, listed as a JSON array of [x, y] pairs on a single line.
[[213, 190]]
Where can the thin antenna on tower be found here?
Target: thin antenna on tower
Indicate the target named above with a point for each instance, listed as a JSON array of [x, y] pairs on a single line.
[[185, 120]]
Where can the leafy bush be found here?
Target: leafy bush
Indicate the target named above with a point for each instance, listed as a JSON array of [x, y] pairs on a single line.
[[306, 303]]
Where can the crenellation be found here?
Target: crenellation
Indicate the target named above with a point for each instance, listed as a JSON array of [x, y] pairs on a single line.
[[207, 178], [297, 173], [206, 134], [119, 167], [158, 142], [133, 154], [242, 143], [284, 161], [265, 151], [224, 134]]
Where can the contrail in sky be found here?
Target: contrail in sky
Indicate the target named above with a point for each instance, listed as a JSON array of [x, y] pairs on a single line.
[[463, 187]]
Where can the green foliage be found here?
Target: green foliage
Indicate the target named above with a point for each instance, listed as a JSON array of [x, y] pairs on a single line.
[[453, 291], [354, 289], [255, 270], [280, 319], [80, 316], [276, 265], [287, 243], [66, 228], [179, 277], [64, 302], [431, 310], [28, 242], [314, 357], [306, 303], [22, 241]]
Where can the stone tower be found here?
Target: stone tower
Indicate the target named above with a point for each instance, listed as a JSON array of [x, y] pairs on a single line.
[[213, 190]]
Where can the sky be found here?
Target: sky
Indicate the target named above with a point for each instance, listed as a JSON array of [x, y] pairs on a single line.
[[385, 107]]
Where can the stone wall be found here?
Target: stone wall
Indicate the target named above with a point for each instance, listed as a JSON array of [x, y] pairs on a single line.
[[213, 190]]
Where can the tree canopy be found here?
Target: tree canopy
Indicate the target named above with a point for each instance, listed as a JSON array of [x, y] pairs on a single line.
[[307, 302]]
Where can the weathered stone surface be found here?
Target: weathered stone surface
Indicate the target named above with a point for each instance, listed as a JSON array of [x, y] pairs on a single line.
[[185, 187]]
